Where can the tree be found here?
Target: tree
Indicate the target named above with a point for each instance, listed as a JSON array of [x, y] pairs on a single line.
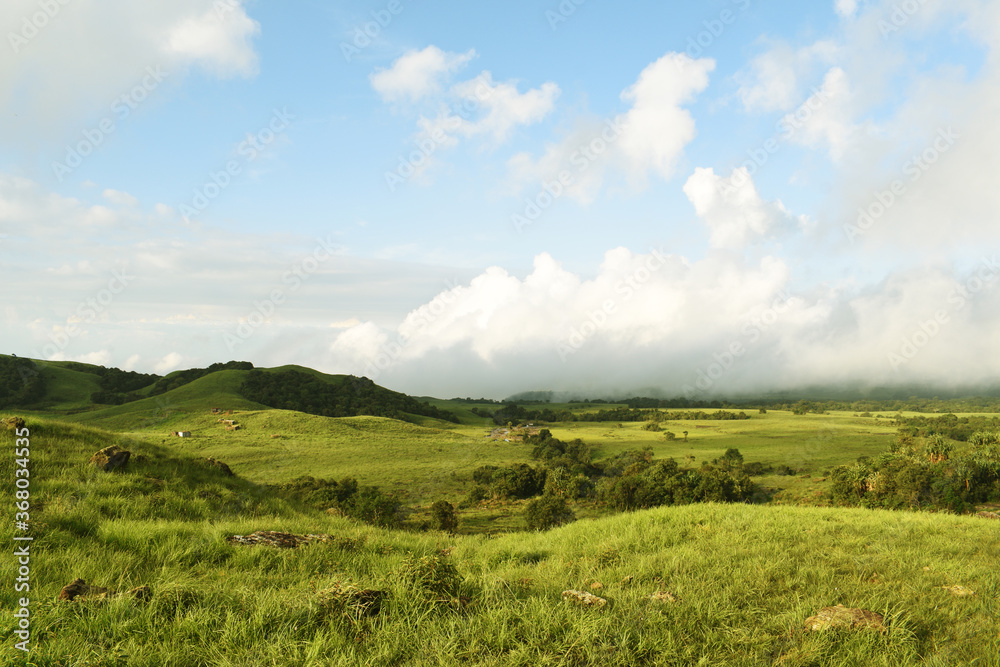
[[445, 517], [547, 512]]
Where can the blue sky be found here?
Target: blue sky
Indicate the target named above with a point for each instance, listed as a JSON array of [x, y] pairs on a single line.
[[279, 186]]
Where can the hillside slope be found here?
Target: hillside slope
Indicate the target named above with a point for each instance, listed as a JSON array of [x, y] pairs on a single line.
[[742, 579]]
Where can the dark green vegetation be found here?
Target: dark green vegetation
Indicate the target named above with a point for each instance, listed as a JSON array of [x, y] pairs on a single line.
[[295, 390], [20, 382], [560, 506], [924, 476]]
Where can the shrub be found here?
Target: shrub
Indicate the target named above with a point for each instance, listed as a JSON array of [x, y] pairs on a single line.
[[444, 516], [547, 512], [435, 574]]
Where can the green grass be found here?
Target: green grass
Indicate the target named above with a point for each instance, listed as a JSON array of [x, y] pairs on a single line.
[[745, 577]]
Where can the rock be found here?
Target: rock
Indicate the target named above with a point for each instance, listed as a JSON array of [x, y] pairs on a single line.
[[844, 617], [221, 466], [663, 596], [627, 580], [273, 538], [959, 591], [81, 589], [988, 515], [584, 599], [596, 586], [13, 423], [111, 458]]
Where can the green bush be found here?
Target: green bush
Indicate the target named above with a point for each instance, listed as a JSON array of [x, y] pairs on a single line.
[[547, 512], [444, 516]]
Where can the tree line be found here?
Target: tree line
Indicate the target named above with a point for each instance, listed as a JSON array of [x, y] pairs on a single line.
[[348, 397]]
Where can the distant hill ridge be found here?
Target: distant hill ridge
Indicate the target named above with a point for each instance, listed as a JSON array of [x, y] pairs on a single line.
[[73, 387]]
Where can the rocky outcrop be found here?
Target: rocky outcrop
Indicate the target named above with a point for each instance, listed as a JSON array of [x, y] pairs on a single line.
[[583, 599], [221, 466], [79, 589], [273, 538], [111, 458], [845, 617], [13, 423]]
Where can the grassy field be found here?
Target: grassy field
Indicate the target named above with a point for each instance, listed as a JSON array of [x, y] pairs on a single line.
[[743, 578]]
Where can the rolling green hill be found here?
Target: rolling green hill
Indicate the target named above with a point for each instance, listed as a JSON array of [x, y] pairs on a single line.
[[69, 387], [741, 579]]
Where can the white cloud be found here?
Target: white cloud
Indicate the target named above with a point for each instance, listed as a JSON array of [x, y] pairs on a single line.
[[120, 198], [774, 80], [657, 127], [733, 210], [171, 362], [219, 38], [100, 358], [89, 54], [504, 107], [846, 8], [830, 125], [418, 74], [659, 322], [649, 137]]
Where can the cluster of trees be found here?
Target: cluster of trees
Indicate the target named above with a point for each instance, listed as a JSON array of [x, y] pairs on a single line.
[[923, 474], [295, 390], [948, 425], [631, 480], [644, 482], [21, 383], [118, 386], [366, 503], [514, 413]]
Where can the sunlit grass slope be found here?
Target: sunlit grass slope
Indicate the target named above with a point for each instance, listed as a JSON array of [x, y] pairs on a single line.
[[744, 579]]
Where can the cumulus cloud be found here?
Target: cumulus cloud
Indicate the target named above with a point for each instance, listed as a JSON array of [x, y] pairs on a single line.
[[417, 74], [468, 109], [649, 137], [734, 212], [657, 127], [661, 323]]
